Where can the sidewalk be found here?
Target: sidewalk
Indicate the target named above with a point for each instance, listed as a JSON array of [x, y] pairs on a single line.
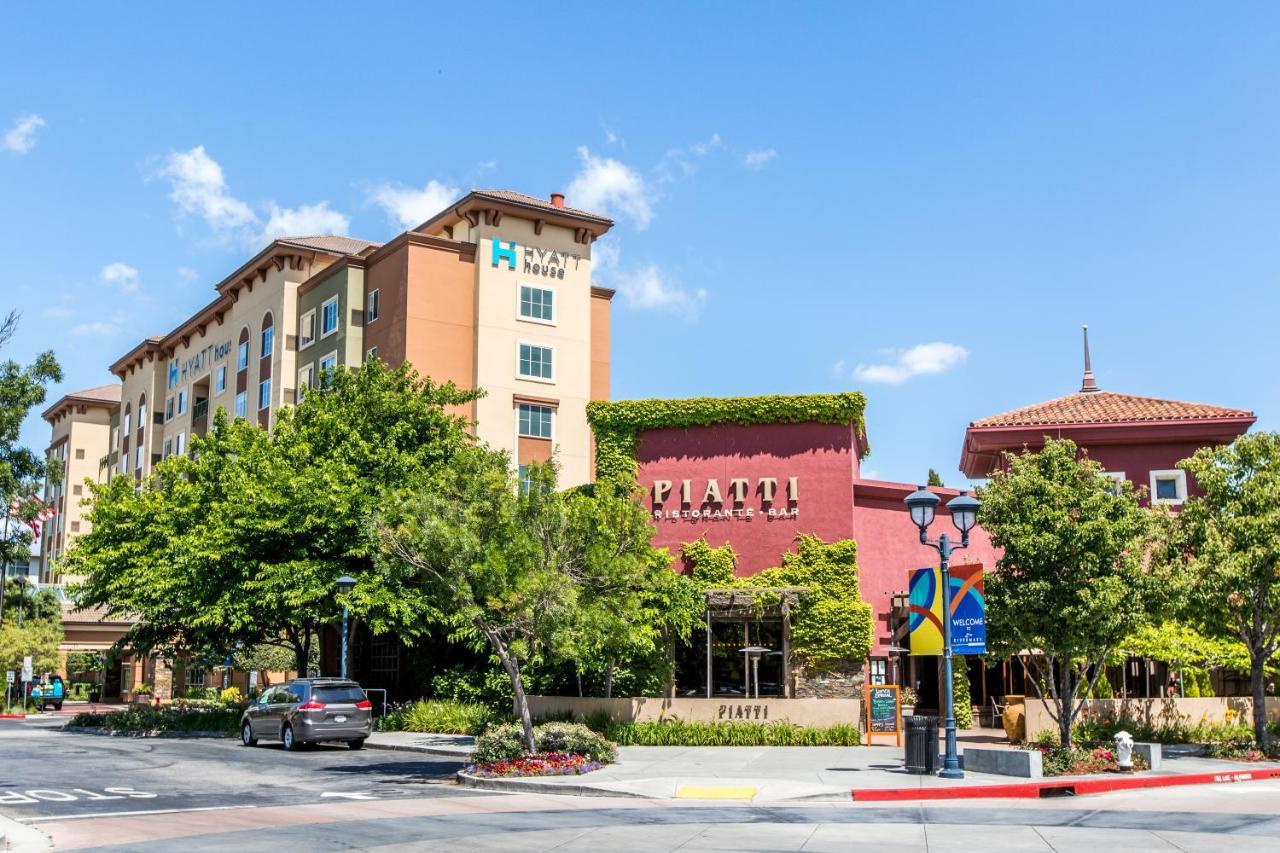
[[778, 773]]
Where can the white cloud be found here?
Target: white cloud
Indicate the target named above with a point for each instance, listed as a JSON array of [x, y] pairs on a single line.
[[682, 162], [122, 276], [604, 255], [650, 288], [95, 329], [702, 149], [306, 221], [198, 187], [757, 159], [57, 311], [21, 138], [187, 274], [920, 360], [605, 185], [409, 207]]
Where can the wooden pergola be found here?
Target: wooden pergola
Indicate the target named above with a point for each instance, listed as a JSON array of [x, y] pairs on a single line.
[[736, 603]]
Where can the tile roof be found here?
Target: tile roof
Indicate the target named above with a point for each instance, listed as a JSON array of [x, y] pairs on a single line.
[[534, 201], [108, 393], [331, 243], [1107, 407]]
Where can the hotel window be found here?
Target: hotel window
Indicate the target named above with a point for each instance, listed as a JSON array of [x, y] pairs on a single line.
[[126, 423], [371, 312], [329, 317], [142, 413], [268, 340], [79, 452], [220, 379], [1116, 478], [535, 421], [1168, 487], [536, 303], [168, 409], [306, 377], [240, 405], [168, 448], [180, 443], [329, 362], [535, 362], [526, 482], [371, 354], [242, 356], [264, 394], [182, 401], [307, 329], [137, 458]]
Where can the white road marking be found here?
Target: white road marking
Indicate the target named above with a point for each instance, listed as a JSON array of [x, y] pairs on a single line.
[[349, 795], [128, 814]]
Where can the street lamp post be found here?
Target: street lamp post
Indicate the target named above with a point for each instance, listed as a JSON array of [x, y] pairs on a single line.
[[964, 515], [344, 585]]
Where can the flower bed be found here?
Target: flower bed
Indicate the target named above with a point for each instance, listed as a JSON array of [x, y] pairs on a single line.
[[542, 764], [1075, 761], [1239, 752]]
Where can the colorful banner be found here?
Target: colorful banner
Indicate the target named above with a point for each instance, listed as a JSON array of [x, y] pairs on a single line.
[[968, 611]]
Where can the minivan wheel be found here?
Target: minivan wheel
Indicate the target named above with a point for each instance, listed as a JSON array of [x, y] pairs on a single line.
[[358, 743], [246, 735], [286, 737]]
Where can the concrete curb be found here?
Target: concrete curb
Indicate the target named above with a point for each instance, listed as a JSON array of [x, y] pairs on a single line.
[[19, 838], [427, 750], [528, 785], [1061, 787], [93, 730]]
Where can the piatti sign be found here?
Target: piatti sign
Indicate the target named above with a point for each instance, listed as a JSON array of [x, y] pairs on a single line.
[[770, 498]]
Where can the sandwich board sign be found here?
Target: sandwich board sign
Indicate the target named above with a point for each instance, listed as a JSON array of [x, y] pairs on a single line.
[[884, 712]]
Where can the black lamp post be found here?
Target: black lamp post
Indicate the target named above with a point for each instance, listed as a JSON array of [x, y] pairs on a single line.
[[964, 515], [344, 585]]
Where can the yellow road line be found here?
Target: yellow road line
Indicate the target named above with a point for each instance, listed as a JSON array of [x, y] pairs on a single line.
[[705, 792]]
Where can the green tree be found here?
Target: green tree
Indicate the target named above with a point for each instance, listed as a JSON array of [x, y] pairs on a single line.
[[241, 541], [35, 605], [1227, 541], [40, 639], [1071, 582], [21, 469], [935, 479], [521, 570]]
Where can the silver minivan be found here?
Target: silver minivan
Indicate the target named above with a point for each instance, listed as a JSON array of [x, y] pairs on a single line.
[[309, 710]]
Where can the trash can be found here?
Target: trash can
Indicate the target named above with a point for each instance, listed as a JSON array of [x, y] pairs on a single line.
[[922, 744]]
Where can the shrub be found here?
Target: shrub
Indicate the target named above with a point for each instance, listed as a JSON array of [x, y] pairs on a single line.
[[499, 743], [777, 733], [489, 687], [143, 690], [1057, 761], [963, 701], [231, 696], [203, 693], [574, 738], [440, 716], [225, 721]]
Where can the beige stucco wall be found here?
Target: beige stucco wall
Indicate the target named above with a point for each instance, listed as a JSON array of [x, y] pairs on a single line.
[[499, 332], [80, 439], [1155, 711], [802, 712]]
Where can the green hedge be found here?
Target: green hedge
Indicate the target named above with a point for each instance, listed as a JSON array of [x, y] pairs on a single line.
[[138, 720], [776, 733], [439, 716]]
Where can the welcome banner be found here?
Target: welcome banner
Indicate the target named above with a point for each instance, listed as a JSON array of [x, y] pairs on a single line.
[[968, 611]]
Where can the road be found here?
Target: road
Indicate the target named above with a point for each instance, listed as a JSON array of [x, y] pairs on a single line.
[[118, 794]]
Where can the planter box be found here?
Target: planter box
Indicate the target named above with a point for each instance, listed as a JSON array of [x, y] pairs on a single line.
[[1151, 752], [1023, 763]]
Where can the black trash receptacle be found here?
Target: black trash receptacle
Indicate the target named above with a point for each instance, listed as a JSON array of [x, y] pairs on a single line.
[[922, 744]]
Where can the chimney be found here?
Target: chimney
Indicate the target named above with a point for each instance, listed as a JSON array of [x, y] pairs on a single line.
[[1089, 385], [557, 199]]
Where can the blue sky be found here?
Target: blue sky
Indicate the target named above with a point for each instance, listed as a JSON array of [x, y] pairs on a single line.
[[922, 202]]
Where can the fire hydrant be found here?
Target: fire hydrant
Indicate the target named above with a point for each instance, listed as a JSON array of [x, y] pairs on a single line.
[[1124, 751]]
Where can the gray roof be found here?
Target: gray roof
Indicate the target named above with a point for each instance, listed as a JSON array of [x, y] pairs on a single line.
[[331, 243]]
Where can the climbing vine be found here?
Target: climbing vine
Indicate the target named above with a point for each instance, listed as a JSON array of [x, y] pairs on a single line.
[[831, 625], [616, 425]]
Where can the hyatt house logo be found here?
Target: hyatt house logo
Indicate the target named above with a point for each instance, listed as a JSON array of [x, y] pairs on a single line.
[[537, 261]]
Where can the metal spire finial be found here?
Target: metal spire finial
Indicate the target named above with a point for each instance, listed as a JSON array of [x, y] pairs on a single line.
[[1089, 385]]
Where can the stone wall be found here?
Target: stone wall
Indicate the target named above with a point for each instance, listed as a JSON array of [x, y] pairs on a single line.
[[845, 682]]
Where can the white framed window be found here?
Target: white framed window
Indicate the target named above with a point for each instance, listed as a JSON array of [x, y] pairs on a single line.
[[307, 329], [220, 379], [268, 341], [115, 436], [535, 362], [329, 317], [371, 354], [242, 356], [182, 401], [306, 378], [878, 671], [127, 421], [264, 394], [1168, 487], [1117, 478], [536, 304], [371, 309], [168, 409], [240, 405], [534, 421], [180, 443], [329, 362], [168, 448], [137, 458], [526, 483], [142, 416]]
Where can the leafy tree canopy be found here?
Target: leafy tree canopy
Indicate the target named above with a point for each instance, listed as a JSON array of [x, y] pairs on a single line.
[[1072, 583]]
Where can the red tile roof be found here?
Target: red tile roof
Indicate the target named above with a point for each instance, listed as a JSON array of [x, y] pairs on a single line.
[[1102, 407]]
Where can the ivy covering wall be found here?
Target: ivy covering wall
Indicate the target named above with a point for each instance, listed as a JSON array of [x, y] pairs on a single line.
[[616, 425], [832, 624]]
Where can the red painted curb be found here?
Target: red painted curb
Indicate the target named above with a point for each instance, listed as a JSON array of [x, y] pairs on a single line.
[[1065, 787], [13, 716]]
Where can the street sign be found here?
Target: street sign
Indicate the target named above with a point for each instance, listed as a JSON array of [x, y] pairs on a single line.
[[26, 668], [8, 676]]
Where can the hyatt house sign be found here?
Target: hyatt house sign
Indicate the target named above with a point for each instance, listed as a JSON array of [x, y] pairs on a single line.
[[770, 498]]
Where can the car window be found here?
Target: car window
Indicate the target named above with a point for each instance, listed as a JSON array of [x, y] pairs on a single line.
[[339, 695]]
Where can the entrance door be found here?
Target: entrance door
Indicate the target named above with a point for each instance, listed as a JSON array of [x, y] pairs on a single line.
[[111, 687], [924, 672]]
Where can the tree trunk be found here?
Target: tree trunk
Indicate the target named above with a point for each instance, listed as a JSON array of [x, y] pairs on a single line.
[[1066, 704], [517, 685], [306, 652], [608, 680], [1257, 686]]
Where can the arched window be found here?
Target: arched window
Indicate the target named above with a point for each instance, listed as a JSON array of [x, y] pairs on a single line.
[[268, 336], [142, 412]]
